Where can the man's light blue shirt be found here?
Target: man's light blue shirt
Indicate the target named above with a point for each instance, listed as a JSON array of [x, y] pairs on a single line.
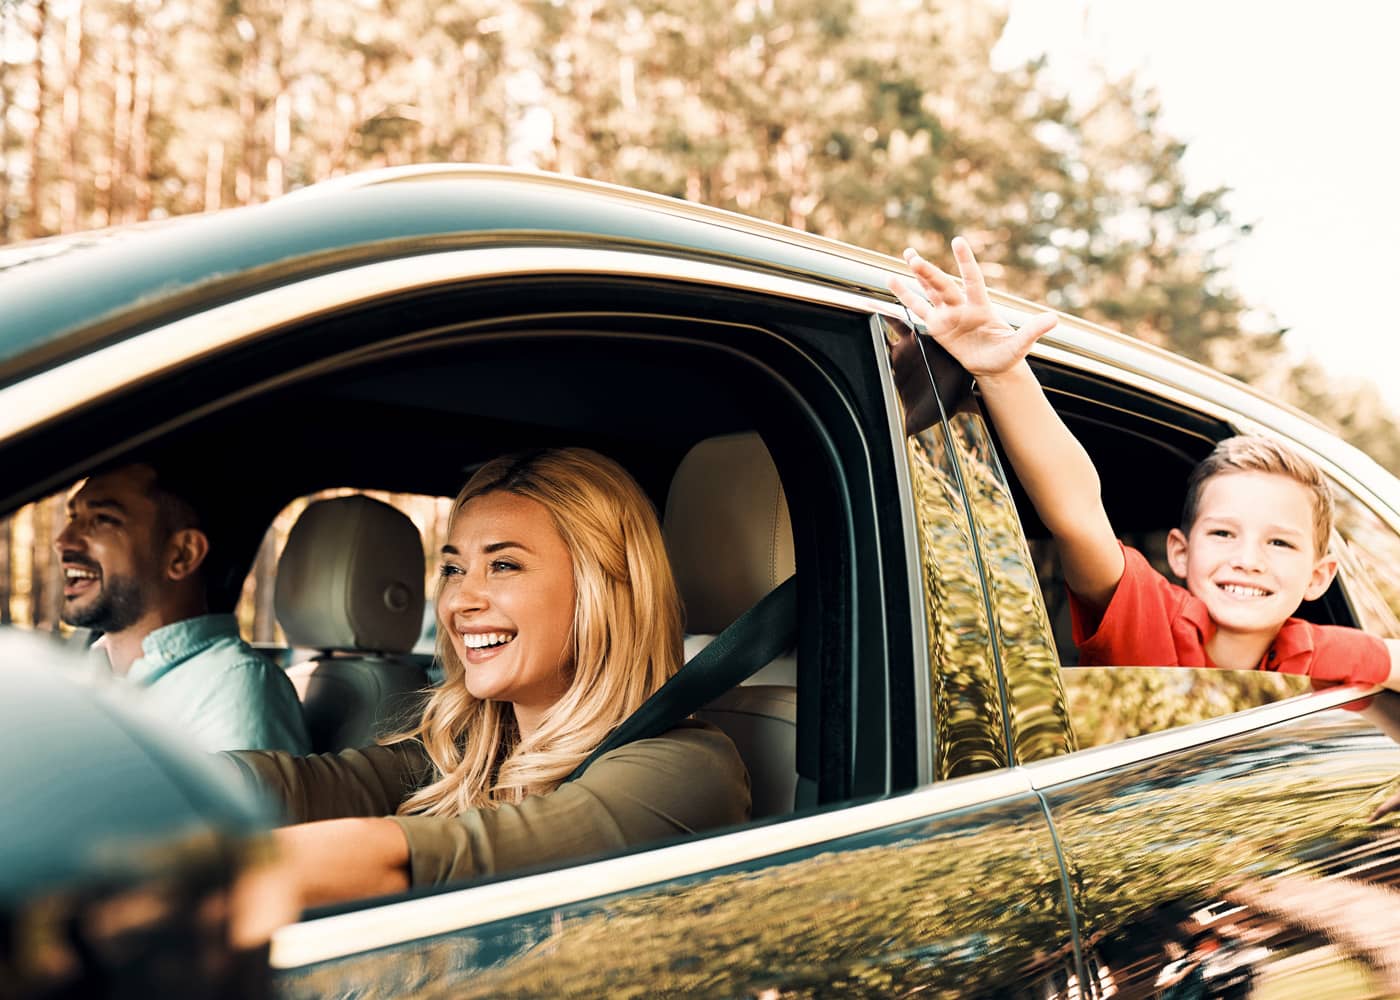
[[199, 676]]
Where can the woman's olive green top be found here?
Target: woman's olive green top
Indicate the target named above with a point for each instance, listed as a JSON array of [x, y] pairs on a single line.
[[687, 780]]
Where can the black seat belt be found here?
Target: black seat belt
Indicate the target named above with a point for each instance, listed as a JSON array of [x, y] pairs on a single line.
[[754, 639]]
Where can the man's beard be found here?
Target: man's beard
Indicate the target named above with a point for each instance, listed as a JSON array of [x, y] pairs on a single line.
[[118, 605]]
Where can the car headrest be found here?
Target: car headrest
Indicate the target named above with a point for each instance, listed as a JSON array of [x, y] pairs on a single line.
[[351, 578], [727, 529]]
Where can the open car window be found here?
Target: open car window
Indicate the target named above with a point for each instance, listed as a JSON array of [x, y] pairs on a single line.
[[31, 579], [402, 404], [1143, 448]]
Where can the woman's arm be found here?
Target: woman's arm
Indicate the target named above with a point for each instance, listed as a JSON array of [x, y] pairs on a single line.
[[368, 782], [340, 859], [690, 779]]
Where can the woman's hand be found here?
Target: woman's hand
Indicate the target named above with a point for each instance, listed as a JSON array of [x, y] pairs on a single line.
[[962, 319], [339, 859]]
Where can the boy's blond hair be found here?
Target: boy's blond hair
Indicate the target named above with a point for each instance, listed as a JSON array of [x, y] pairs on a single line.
[[1256, 453]]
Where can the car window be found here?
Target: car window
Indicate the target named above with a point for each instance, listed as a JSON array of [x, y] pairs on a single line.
[[968, 703], [1025, 642], [31, 580], [1369, 551], [1108, 704], [1143, 448]]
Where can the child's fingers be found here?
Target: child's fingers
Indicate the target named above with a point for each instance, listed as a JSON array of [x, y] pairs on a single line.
[[1036, 327], [939, 285], [973, 284], [913, 301]]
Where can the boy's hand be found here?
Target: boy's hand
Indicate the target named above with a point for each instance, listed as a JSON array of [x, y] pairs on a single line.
[[962, 319]]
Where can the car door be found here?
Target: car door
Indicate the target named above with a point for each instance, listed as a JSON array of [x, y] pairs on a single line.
[[949, 884], [924, 863], [1222, 848]]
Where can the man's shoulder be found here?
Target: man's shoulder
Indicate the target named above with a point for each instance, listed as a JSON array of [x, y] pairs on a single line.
[[236, 658], [231, 662]]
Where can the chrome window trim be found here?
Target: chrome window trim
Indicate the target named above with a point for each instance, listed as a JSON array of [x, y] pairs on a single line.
[[47, 395], [1046, 774], [338, 936], [918, 620]]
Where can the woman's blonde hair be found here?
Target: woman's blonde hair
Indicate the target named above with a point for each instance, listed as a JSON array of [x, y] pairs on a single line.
[[625, 643]]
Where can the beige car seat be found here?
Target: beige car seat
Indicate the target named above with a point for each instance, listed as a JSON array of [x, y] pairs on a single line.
[[730, 541], [350, 587]]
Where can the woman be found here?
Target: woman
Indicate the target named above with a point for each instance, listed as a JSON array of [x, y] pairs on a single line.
[[557, 617]]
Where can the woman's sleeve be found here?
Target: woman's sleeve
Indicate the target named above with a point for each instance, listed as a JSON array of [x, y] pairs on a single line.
[[688, 780], [368, 782]]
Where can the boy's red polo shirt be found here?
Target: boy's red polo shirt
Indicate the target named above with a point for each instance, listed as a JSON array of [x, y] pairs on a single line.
[[1152, 622]]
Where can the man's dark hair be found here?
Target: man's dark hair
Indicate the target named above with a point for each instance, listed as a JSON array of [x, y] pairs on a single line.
[[175, 500], [189, 494], [180, 496]]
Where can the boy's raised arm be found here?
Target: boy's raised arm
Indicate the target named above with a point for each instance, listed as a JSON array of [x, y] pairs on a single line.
[[1049, 461]]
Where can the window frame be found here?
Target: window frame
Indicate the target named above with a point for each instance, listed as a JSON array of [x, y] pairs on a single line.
[[1193, 413]]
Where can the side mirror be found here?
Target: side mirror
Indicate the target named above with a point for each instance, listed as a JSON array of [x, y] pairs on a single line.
[[121, 852]]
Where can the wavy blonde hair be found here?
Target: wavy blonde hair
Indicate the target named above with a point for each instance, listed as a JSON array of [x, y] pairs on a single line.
[[625, 642]]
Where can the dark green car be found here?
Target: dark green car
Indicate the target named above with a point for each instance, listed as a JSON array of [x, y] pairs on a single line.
[[944, 804]]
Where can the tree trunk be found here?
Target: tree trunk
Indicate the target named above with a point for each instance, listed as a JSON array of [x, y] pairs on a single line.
[[264, 608], [119, 147], [6, 584], [22, 565], [214, 176], [142, 85], [35, 222], [6, 99], [49, 517], [73, 51], [244, 192]]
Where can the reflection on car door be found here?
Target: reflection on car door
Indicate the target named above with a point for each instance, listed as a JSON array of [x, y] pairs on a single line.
[[953, 890], [1239, 851]]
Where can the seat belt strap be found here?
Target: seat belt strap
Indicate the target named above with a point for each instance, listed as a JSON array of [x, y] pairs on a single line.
[[751, 642]]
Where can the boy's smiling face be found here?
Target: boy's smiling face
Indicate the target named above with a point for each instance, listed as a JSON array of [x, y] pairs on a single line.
[[1251, 555]]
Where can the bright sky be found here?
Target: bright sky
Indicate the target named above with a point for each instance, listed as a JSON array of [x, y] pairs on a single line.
[[1292, 106]]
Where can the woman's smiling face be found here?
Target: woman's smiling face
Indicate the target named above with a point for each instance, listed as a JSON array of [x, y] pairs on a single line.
[[506, 603]]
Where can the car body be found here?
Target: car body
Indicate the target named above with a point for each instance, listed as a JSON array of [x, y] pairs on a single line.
[[948, 836]]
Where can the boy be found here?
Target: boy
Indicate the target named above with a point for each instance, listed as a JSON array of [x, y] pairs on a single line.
[[1252, 545]]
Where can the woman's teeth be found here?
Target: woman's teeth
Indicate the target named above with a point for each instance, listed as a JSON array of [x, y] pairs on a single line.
[[484, 640]]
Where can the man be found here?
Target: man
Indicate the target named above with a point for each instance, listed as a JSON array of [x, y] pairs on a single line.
[[133, 556]]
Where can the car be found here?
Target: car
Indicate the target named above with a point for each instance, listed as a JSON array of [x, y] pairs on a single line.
[[945, 804]]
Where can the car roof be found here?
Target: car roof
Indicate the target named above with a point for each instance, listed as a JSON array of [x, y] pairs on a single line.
[[65, 295]]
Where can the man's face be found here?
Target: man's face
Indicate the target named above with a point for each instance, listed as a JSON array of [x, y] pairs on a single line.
[[1251, 556], [109, 550]]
